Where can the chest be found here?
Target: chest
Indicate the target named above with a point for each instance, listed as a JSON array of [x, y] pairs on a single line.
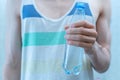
[[56, 9]]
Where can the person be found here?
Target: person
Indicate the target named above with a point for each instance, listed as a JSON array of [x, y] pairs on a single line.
[[37, 30]]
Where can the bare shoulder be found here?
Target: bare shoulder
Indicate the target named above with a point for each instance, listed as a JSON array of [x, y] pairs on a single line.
[[105, 9], [95, 7], [14, 6], [101, 8], [105, 4]]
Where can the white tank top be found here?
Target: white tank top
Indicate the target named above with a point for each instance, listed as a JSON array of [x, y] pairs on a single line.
[[43, 44]]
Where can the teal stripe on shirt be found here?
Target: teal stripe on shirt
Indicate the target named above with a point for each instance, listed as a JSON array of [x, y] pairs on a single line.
[[43, 38]]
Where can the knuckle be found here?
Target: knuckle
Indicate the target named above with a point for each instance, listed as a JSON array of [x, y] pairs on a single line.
[[96, 34], [80, 37], [95, 31], [81, 29], [93, 39], [84, 22]]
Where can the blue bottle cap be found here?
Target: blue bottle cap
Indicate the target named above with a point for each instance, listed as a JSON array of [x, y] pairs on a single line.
[[80, 5]]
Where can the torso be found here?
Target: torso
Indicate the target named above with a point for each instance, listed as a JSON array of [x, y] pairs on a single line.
[[42, 36]]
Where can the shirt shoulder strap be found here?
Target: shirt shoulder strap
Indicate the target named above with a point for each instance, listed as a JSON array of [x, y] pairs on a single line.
[[86, 1], [27, 2]]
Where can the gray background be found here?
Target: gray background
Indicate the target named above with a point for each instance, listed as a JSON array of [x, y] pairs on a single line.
[[112, 74]]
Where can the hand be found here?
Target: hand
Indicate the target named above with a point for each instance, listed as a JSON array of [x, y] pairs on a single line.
[[81, 34]]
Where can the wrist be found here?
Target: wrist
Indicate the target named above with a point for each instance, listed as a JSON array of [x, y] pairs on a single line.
[[91, 50]]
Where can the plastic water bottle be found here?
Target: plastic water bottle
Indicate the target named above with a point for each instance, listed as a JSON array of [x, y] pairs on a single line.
[[73, 58]]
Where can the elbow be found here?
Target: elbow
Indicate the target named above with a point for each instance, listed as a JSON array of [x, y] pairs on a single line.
[[11, 70], [105, 64], [103, 68], [12, 63]]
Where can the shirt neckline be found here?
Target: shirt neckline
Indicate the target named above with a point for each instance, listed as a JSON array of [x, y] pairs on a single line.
[[51, 19]]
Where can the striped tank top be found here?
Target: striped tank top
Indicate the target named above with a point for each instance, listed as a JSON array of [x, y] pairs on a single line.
[[43, 44]]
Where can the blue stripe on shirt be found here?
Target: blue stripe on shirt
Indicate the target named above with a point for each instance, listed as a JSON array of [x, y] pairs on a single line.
[[30, 11]]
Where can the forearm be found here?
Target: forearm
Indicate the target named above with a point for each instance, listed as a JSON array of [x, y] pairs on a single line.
[[99, 57], [12, 66], [11, 72]]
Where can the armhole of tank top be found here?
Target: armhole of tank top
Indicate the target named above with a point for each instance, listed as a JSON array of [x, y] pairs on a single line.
[[82, 1], [25, 2]]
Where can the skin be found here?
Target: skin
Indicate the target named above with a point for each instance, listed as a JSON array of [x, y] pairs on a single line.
[[95, 39]]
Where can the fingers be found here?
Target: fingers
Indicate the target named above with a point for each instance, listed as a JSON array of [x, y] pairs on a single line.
[[81, 34], [85, 24], [80, 38], [80, 44], [82, 31]]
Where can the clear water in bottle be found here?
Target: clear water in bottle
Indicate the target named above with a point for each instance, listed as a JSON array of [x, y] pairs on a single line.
[[73, 58]]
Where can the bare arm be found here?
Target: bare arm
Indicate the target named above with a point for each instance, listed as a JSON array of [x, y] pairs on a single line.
[[13, 41], [100, 51]]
